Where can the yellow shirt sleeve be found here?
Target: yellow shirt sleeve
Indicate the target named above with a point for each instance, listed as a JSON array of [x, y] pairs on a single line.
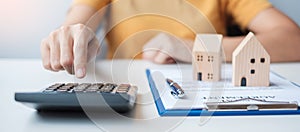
[[243, 11], [97, 4]]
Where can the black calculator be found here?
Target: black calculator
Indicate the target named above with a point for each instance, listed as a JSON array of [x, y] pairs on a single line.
[[75, 96]]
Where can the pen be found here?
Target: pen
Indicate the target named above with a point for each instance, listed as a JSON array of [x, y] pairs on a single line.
[[176, 89]]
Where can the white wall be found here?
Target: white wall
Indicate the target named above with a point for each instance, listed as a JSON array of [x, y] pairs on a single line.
[[289, 7], [23, 23]]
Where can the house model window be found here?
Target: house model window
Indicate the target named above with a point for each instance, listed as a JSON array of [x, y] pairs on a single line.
[[252, 61], [252, 71], [199, 58], [262, 60]]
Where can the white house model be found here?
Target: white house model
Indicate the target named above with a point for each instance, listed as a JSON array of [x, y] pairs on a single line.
[[251, 63], [207, 57]]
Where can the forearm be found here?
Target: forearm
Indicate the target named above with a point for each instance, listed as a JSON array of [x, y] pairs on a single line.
[[83, 14], [283, 45], [279, 35]]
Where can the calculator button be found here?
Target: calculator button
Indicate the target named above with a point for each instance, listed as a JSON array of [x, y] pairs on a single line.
[[94, 87], [100, 85], [123, 88], [124, 85], [107, 87], [122, 91], [55, 86], [48, 90], [81, 87], [68, 86], [62, 90]]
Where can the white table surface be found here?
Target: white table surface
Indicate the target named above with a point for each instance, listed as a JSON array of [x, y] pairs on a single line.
[[29, 75]]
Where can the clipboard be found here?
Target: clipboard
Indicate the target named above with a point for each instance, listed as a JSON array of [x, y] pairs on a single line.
[[231, 108], [267, 105]]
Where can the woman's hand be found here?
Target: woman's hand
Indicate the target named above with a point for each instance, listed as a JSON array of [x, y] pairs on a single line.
[[166, 49], [69, 48]]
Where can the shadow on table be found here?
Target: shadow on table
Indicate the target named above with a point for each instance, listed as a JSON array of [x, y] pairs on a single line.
[[82, 115]]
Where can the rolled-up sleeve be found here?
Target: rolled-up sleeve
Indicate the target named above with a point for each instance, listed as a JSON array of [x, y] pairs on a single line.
[[243, 11], [97, 4]]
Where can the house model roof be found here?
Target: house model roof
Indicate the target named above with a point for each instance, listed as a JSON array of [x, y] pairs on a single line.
[[208, 43], [250, 42]]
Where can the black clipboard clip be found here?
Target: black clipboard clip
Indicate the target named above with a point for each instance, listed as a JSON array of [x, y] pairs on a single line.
[[263, 104]]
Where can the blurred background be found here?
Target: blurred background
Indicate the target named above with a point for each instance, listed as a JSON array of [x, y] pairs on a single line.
[[24, 23]]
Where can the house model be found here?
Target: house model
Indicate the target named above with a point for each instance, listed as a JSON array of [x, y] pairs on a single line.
[[251, 63], [207, 57]]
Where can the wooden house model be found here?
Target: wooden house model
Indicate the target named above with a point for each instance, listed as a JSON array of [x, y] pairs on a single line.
[[251, 63], [207, 57]]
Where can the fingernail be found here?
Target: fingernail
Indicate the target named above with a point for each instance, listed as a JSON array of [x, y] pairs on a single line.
[[80, 73]]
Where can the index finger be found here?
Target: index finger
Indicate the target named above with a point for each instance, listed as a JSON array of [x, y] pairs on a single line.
[[80, 57]]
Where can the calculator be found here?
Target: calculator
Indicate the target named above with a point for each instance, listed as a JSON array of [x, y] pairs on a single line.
[[78, 97]]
